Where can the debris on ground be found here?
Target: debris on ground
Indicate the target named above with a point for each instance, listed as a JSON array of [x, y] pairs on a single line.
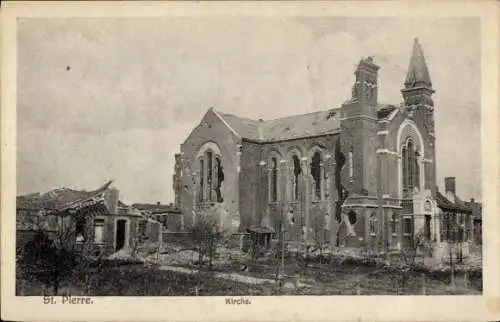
[[185, 257], [125, 254]]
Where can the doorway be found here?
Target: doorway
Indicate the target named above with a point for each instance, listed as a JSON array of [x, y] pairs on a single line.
[[408, 232], [427, 227], [121, 226]]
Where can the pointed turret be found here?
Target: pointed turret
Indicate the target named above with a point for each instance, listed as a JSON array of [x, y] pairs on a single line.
[[417, 91], [418, 74]]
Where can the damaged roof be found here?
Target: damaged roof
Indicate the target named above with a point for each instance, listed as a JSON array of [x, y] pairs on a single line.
[[457, 205], [285, 128], [57, 199], [293, 127]]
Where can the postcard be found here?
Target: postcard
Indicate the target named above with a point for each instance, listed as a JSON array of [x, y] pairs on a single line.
[[250, 161]]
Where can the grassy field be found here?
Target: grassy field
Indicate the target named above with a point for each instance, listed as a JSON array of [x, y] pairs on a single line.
[[321, 279], [323, 276], [141, 281]]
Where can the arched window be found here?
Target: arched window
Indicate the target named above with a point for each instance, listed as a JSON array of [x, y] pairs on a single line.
[[404, 157], [274, 179], [411, 168], [297, 170], [209, 175], [317, 174], [416, 166], [373, 221], [353, 218], [410, 162], [351, 165], [201, 194], [219, 179]]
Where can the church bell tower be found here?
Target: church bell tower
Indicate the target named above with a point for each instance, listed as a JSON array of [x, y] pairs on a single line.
[[419, 108], [417, 91]]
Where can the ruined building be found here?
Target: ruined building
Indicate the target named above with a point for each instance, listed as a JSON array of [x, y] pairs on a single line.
[[362, 173]]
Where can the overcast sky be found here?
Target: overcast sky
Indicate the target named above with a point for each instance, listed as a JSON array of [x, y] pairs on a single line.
[[113, 98]]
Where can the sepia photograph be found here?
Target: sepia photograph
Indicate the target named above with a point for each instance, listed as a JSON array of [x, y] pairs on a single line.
[[239, 156]]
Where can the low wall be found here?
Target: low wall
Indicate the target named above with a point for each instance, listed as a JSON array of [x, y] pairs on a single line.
[[184, 238]]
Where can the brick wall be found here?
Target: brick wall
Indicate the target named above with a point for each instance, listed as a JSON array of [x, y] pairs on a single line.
[[211, 129], [358, 132], [429, 148], [252, 181]]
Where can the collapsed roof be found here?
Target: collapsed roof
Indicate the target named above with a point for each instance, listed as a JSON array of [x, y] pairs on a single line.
[[59, 200]]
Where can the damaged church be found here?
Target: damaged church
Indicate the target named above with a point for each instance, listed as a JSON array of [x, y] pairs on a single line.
[[360, 174]]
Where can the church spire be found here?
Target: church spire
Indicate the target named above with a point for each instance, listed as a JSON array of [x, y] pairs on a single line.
[[417, 91], [418, 74]]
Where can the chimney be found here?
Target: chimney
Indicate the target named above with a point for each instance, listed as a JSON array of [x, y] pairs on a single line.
[[111, 200], [449, 185]]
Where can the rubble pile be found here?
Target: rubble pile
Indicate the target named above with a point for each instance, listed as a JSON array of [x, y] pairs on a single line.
[[184, 257], [148, 248], [227, 255], [126, 256]]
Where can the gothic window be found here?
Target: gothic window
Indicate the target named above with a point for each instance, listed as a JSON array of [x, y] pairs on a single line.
[[220, 179], [201, 194], [295, 180], [274, 179], [427, 227], [404, 156], [209, 175], [316, 172], [351, 166], [410, 163], [417, 170], [411, 168], [353, 218], [373, 224]]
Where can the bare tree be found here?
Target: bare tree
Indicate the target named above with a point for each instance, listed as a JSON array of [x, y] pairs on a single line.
[[409, 255], [209, 231], [51, 254]]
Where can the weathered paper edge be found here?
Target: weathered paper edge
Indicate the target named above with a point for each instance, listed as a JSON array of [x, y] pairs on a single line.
[[486, 307]]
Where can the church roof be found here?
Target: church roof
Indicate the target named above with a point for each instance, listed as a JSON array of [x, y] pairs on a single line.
[[385, 110], [418, 74], [294, 126], [285, 128]]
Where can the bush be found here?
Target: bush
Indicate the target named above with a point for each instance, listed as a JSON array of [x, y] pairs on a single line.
[[42, 259]]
